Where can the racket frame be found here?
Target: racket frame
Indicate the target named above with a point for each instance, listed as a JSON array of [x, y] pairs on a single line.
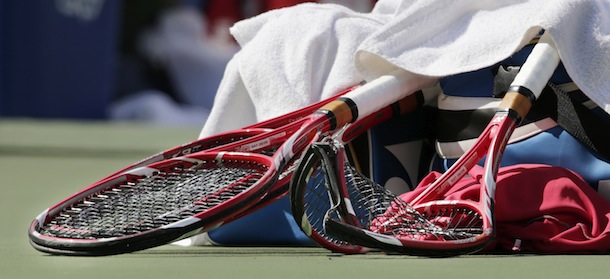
[[517, 102], [318, 152]]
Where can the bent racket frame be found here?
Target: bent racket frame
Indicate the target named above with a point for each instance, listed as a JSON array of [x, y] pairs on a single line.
[[465, 226], [217, 185], [357, 202], [308, 190]]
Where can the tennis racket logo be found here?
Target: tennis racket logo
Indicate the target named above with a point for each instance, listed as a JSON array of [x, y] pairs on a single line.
[[187, 151], [498, 119]]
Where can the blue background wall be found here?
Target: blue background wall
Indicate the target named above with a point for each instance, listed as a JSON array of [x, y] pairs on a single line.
[[58, 57]]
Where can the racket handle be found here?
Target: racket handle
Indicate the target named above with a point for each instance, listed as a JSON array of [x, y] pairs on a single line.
[[533, 77], [374, 96]]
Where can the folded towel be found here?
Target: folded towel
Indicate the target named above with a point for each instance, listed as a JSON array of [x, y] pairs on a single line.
[[445, 37]]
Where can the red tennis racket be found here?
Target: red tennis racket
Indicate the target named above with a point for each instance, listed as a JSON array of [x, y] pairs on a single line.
[[308, 189], [155, 204], [264, 137], [428, 225]]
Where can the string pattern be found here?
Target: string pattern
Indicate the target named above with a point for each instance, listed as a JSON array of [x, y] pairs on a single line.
[[151, 202]]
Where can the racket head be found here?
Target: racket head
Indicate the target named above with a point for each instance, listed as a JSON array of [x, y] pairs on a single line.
[[446, 227], [310, 201], [309, 188], [254, 150], [364, 216], [153, 205], [433, 227], [388, 223]]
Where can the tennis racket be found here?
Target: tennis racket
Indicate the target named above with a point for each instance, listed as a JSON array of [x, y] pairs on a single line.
[[126, 212], [172, 199], [308, 190], [264, 137], [428, 225]]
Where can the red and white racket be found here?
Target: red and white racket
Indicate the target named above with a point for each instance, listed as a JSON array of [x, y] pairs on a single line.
[[428, 225], [308, 190], [263, 137], [168, 200]]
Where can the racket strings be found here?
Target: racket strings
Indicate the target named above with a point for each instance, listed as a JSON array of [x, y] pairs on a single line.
[[462, 222], [318, 205], [381, 211], [151, 202]]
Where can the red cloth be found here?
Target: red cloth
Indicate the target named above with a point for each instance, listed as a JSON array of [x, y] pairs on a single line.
[[549, 209]]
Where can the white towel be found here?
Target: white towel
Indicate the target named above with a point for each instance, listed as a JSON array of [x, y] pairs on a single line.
[[445, 37], [290, 58]]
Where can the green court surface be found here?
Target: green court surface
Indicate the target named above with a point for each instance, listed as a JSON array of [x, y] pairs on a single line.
[[42, 162]]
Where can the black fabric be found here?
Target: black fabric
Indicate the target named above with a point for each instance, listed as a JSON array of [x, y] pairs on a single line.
[[566, 109], [504, 76], [580, 122]]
